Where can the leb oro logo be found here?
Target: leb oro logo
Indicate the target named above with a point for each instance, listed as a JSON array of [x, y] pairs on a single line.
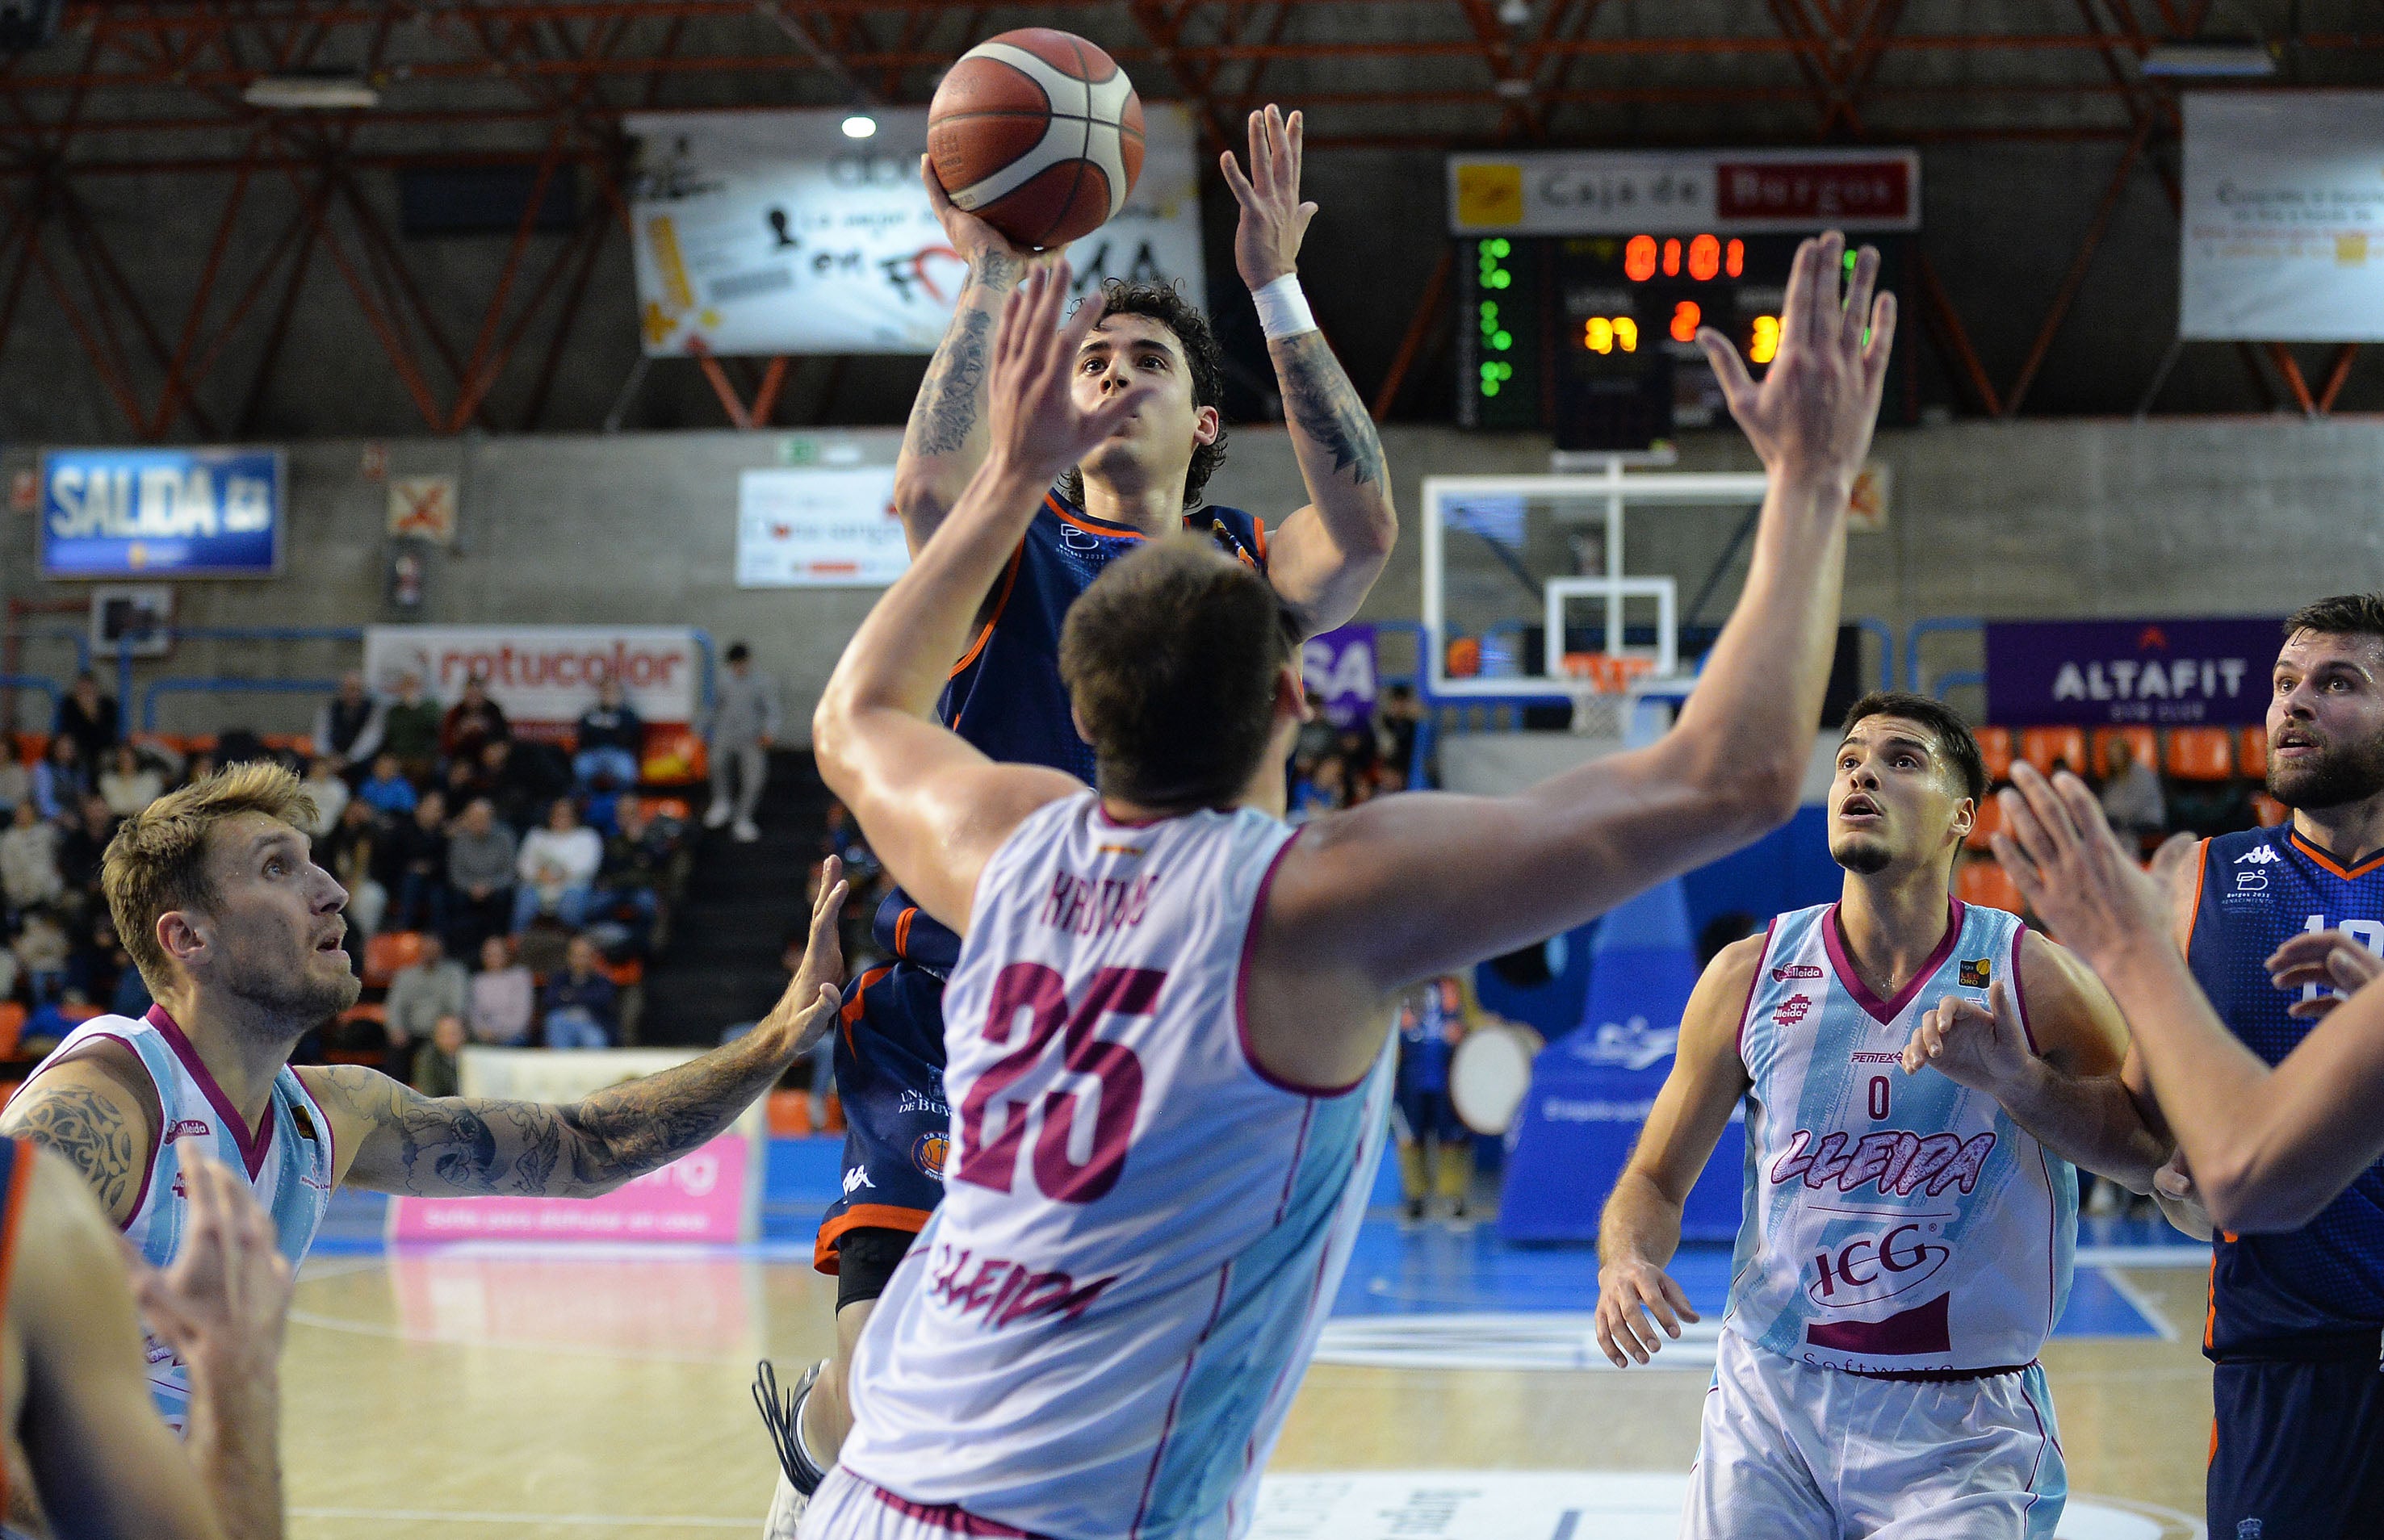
[[929, 1152]]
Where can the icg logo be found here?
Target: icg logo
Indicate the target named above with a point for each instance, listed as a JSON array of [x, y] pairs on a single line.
[[1870, 1268]]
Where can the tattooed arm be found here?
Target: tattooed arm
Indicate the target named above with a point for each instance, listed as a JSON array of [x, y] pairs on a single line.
[[392, 1138], [946, 440], [99, 1113], [1327, 555]]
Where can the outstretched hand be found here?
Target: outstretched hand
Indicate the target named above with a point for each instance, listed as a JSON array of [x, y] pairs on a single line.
[[808, 1007], [224, 1301], [1038, 429], [989, 252], [1983, 1048], [1813, 411], [1266, 242], [2072, 871]]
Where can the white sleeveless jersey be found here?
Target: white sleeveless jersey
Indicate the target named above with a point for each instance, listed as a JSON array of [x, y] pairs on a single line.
[[1101, 1329], [287, 1162], [1893, 1221]]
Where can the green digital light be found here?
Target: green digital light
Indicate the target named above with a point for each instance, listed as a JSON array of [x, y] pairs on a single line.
[[1502, 340]]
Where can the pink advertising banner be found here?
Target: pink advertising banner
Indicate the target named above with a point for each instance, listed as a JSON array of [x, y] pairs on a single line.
[[699, 1197]]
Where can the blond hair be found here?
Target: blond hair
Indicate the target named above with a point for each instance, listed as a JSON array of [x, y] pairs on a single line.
[[157, 863]]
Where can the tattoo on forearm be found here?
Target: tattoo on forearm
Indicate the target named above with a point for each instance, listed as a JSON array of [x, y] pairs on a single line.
[[1319, 400], [86, 1128], [949, 403]]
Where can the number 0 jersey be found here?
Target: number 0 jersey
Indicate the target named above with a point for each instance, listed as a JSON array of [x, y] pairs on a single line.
[[2257, 889], [1101, 1329], [1894, 1223], [288, 1161]]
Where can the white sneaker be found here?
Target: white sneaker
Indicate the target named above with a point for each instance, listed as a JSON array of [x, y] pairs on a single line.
[[745, 833], [716, 815], [786, 1511]]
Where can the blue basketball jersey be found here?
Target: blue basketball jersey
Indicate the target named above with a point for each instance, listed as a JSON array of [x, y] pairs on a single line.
[[1425, 1017], [1005, 695], [2256, 890]]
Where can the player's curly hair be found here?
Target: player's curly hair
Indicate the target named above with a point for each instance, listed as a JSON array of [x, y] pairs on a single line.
[[157, 861], [1165, 304]]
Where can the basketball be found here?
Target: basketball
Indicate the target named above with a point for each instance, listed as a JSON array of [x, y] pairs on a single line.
[[1037, 133]]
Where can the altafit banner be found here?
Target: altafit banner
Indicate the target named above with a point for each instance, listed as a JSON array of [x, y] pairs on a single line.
[[2101, 672], [2284, 216], [543, 674], [773, 232]]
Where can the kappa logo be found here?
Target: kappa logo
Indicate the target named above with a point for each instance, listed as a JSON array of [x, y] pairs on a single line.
[[2258, 855], [1795, 970], [1794, 1009], [188, 1128], [856, 1179], [1976, 976]]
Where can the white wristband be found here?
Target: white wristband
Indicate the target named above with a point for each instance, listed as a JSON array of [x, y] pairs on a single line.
[[1283, 309]]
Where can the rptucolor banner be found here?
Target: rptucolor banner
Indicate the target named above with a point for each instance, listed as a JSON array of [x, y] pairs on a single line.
[[2156, 672]]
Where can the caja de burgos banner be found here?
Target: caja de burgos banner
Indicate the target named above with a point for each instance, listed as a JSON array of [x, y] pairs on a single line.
[[544, 674], [2154, 672]]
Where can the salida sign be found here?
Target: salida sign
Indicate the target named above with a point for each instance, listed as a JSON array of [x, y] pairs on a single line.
[[2158, 672]]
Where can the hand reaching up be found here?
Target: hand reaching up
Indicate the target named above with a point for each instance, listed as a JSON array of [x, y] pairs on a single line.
[[1813, 411], [1037, 428]]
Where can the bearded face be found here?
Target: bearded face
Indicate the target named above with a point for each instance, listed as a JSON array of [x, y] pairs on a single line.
[[2326, 721]]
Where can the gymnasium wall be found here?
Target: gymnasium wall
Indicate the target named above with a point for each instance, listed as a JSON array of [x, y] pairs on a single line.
[[2076, 517]]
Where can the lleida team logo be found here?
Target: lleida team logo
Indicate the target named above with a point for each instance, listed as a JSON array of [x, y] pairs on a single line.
[[1793, 1010], [1795, 970], [1976, 976], [188, 1128], [929, 1152]]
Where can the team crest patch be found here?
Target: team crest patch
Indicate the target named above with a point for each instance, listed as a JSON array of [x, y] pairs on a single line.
[[303, 1122], [928, 1153], [1978, 975], [1791, 1009]]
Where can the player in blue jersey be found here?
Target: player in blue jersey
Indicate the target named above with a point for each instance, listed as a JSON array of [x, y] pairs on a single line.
[[1906, 1242], [2253, 971], [1005, 697], [1431, 1023]]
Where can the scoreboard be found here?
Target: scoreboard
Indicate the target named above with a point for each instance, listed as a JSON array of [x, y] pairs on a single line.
[[1590, 331]]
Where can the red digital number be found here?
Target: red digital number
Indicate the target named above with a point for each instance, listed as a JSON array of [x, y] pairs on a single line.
[[1041, 994]]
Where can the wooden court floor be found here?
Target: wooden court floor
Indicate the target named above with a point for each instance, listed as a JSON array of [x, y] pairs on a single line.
[[464, 1394]]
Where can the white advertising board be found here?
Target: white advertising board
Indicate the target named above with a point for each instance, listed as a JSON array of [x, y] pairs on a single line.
[[543, 673], [771, 232], [818, 529], [2284, 216]]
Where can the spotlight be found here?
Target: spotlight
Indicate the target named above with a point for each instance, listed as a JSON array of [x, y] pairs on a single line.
[[860, 126]]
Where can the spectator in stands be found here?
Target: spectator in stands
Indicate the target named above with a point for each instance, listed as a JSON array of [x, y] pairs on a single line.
[[386, 789], [1397, 717], [582, 1006], [348, 728], [740, 732], [2132, 793], [82, 847], [438, 1065], [503, 997], [131, 997], [10, 971], [472, 721], [409, 728], [29, 860], [128, 785], [60, 780], [480, 853], [1316, 734], [43, 950], [330, 795], [89, 719], [198, 767], [414, 860], [1324, 789], [348, 853], [557, 869], [16, 781], [434, 987], [463, 783], [637, 873], [510, 777], [610, 737]]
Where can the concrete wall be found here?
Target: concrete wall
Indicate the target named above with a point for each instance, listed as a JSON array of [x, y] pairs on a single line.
[[2085, 518]]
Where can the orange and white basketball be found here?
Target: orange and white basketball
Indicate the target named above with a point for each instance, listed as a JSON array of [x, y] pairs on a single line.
[[1037, 133]]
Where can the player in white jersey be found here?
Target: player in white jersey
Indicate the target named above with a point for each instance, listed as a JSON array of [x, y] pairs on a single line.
[[1168, 1031], [237, 933], [1906, 1245]]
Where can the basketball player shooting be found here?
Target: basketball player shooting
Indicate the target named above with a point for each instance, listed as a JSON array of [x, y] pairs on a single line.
[[1140, 481], [1169, 1026], [1906, 1242], [237, 933]]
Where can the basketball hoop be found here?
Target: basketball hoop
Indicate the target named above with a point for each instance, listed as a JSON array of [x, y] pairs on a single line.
[[1600, 685]]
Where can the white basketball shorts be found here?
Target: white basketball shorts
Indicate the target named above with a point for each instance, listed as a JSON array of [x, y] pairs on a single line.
[[846, 1507], [1789, 1451]]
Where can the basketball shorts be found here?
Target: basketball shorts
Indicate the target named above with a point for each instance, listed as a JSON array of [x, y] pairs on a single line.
[[2298, 1449], [847, 1508], [890, 1073], [1792, 1452], [1421, 1114]]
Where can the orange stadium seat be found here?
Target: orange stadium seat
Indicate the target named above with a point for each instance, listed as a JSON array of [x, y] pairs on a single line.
[[1995, 748], [1990, 819], [2046, 747], [30, 747], [790, 1113], [2252, 751], [2141, 740], [389, 951], [2269, 811], [12, 1027], [2201, 754], [667, 807], [1983, 883]]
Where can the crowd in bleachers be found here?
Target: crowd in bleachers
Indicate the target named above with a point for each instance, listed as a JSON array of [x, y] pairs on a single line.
[[1335, 767], [538, 863]]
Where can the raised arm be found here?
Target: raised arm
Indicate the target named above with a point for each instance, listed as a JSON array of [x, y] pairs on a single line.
[[1326, 557], [946, 440], [402, 1141], [1409, 887], [1641, 1227], [934, 807], [2268, 1148], [2066, 1089]]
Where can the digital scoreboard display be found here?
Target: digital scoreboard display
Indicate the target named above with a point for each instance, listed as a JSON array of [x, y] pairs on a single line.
[[1594, 337]]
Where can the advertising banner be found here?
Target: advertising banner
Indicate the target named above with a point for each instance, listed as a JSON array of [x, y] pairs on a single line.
[[773, 232], [2283, 223], [1625, 191], [818, 529], [544, 674], [2101, 672], [1338, 667], [162, 512]]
